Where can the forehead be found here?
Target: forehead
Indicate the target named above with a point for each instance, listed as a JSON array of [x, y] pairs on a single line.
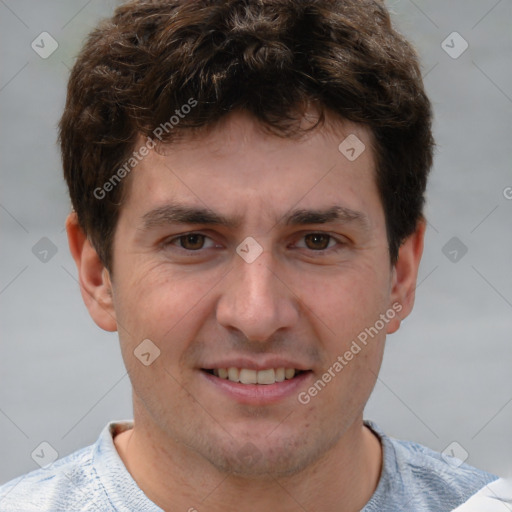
[[240, 131], [236, 167]]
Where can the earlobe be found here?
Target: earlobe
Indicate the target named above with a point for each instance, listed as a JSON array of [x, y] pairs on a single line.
[[405, 274], [94, 278]]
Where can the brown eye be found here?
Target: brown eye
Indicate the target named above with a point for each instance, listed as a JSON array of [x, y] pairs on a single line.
[[317, 241], [192, 242]]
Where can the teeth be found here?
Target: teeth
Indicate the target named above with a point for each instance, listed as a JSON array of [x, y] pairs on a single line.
[[266, 376], [280, 374], [289, 373], [233, 374], [247, 376]]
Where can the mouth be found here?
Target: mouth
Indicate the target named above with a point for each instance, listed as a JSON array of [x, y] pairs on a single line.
[[257, 387], [249, 376]]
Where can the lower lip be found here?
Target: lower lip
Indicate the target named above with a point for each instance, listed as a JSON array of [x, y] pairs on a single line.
[[258, 394]]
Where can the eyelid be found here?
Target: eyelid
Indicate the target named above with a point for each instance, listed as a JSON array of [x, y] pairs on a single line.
[[175, 238], [336, 238]]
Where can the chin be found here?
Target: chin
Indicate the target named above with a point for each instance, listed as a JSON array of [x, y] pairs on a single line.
[[265, 458]]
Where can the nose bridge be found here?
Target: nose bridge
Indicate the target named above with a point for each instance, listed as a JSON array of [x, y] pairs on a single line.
[[257, 283], [255, 301]]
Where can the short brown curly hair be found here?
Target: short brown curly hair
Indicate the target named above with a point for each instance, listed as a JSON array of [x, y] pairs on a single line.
[[267, 57]]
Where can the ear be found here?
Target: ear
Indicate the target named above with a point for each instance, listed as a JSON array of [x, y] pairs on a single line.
[[404, 276], [93, 277]]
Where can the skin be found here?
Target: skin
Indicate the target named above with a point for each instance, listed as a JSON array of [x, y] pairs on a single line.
[[298, 300]]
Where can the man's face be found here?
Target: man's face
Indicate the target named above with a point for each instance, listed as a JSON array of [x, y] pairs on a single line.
[[319, 281]]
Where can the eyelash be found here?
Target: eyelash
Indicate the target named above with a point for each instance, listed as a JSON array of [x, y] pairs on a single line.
[[170, 242]]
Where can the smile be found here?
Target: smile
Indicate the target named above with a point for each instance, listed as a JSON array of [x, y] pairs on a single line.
[[257, 387], [248, 376]]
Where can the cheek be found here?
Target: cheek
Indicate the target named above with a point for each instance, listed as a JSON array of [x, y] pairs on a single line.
[[345, 302], [152, 306], [154, 301], [167, 310]]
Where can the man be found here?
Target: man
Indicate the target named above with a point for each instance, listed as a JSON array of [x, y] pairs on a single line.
[[248, 182]]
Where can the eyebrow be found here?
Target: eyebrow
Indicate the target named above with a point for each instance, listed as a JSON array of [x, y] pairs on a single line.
[[333, 214], [180, 214]]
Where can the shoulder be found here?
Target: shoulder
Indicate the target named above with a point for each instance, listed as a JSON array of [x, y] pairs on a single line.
[[415, 477], [437, 471], [68, 484]]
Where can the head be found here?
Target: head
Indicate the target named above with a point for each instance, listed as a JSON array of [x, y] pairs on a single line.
[[227, 119]]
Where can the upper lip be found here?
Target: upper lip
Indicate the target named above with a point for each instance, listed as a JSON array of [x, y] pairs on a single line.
[[251, 364]]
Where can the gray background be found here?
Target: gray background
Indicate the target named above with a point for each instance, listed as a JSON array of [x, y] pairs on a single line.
[[447, 373]]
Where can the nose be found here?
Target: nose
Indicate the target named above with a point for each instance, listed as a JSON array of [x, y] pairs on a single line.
[[256, 300]]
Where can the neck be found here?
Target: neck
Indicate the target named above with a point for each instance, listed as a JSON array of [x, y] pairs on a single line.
[[176, 478]]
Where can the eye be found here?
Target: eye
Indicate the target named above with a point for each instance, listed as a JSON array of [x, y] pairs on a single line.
[[191, 241], [318, 241]]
